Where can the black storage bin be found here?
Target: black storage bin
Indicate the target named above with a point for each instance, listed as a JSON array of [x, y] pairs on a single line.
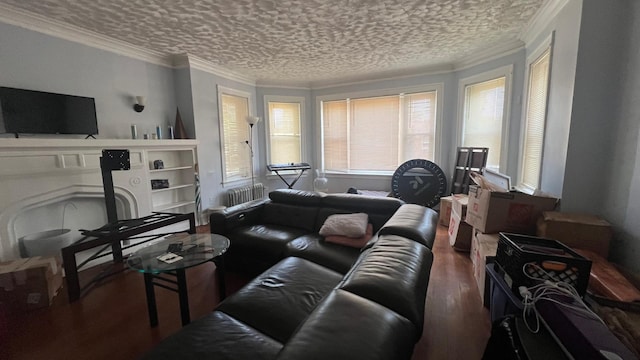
[[551, 260], [502, 301]]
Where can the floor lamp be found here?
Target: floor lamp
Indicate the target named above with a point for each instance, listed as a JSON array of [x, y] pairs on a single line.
[[252, 120]]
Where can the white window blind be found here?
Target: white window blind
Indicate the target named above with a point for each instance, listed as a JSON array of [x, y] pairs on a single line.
[[483, 118], [335, 135], [535, 116], [235, 130], [284, 133], [419, 116], [378, 133]]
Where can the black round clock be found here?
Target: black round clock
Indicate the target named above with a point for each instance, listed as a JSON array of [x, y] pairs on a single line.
[[419, 181]]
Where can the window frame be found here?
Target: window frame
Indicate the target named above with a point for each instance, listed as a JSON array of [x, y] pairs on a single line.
[[304, 153], [546, 45], [503, 71], [437, 87], [223, 90]]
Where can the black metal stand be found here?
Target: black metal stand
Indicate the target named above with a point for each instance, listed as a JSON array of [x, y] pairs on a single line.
[[179, 285], [113, 236], [299, 168]]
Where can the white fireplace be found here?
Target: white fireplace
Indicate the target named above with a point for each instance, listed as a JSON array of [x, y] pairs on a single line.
[[50, 184]]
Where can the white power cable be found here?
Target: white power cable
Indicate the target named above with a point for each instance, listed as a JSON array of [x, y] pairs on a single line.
[[550, 291]]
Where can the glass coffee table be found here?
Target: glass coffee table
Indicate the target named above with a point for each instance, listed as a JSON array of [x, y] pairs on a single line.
[[187, 250]]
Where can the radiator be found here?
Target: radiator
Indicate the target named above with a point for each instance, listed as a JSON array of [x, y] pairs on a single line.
[[243, 194]]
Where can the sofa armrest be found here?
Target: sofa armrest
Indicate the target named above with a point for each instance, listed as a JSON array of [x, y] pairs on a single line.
[[415, 222], [249, 213]]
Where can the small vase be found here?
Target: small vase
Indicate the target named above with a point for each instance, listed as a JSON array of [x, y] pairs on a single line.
[[320, 183]]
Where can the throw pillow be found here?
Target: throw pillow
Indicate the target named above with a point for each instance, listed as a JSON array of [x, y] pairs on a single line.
[[350, 225], [352, 242]]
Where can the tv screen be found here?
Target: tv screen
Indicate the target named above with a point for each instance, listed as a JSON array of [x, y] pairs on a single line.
[[36, 112]]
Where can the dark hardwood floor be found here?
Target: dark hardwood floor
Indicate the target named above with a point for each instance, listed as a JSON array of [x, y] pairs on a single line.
[[111, 321]]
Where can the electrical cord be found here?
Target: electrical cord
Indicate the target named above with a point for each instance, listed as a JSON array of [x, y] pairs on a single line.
[[550, 291]]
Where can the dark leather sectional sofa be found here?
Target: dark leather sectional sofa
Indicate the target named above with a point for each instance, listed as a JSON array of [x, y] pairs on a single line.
[[316, 300]]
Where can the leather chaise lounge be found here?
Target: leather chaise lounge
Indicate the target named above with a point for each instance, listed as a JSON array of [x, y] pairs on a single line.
[[316, 300]]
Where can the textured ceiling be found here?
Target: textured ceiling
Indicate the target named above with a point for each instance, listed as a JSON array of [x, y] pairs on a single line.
[[283, 41]]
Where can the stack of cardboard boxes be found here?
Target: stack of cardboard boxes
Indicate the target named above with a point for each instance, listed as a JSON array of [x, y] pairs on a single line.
[[475, 220]]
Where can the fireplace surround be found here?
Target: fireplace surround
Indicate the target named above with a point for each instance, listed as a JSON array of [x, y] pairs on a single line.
[[39, 178]]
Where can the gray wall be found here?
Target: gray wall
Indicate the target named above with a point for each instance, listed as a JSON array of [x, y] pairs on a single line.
[[31, 60], [621, 168], [566, 28], [207, 130], [595, 110]]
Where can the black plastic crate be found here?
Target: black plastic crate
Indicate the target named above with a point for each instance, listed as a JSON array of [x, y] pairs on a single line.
[[548, 259]]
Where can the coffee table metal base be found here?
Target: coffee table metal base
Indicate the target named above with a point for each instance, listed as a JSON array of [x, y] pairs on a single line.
[[179, 285]]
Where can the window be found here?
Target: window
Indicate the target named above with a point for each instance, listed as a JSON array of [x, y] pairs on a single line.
[[234, 108], [377, 134], [534, 120], [484, 113], [284, 129]]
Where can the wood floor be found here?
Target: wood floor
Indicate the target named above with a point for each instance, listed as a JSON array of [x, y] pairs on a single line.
[[111, 321]]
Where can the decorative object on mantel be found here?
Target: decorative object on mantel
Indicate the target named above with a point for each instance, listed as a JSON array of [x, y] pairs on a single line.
[[159, 132], [180, 132], [171, 134], [139, 105], [134, 132]]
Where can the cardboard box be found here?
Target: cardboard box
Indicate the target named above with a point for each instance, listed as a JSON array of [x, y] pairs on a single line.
[[493, 211], [459, 205], [459, 231], [445, 210], [580, 231], [483, 251], [30, 283]]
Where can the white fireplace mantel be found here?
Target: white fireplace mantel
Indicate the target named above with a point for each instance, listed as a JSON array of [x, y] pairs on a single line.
[[35, 172]]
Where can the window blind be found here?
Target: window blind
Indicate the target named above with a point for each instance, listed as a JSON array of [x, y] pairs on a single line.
[[335, 131], [284, 133], [378, 133], [419, 115], [235, 132], [374, 128], [535, 120], [483, 117]]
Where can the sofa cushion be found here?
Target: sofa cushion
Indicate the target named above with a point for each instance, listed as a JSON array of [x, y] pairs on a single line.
[[346, 326], [278, 300], [394, 273], [362, 203], [415, 222], [302, 217], [333, 256], [296, 197], [267, 240], [351, 225], [216, 336]]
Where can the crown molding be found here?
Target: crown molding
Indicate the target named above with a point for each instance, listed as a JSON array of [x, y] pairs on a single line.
[[490, 53], [195, 62], [541, 19], [39, 23]]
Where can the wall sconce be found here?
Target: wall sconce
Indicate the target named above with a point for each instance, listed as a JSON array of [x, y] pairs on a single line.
[[139, 105]]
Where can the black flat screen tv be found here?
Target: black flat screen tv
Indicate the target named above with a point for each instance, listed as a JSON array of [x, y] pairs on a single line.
[[36, 112]]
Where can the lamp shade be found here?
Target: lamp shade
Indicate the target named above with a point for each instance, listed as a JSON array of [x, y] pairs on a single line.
[[252, 120]]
